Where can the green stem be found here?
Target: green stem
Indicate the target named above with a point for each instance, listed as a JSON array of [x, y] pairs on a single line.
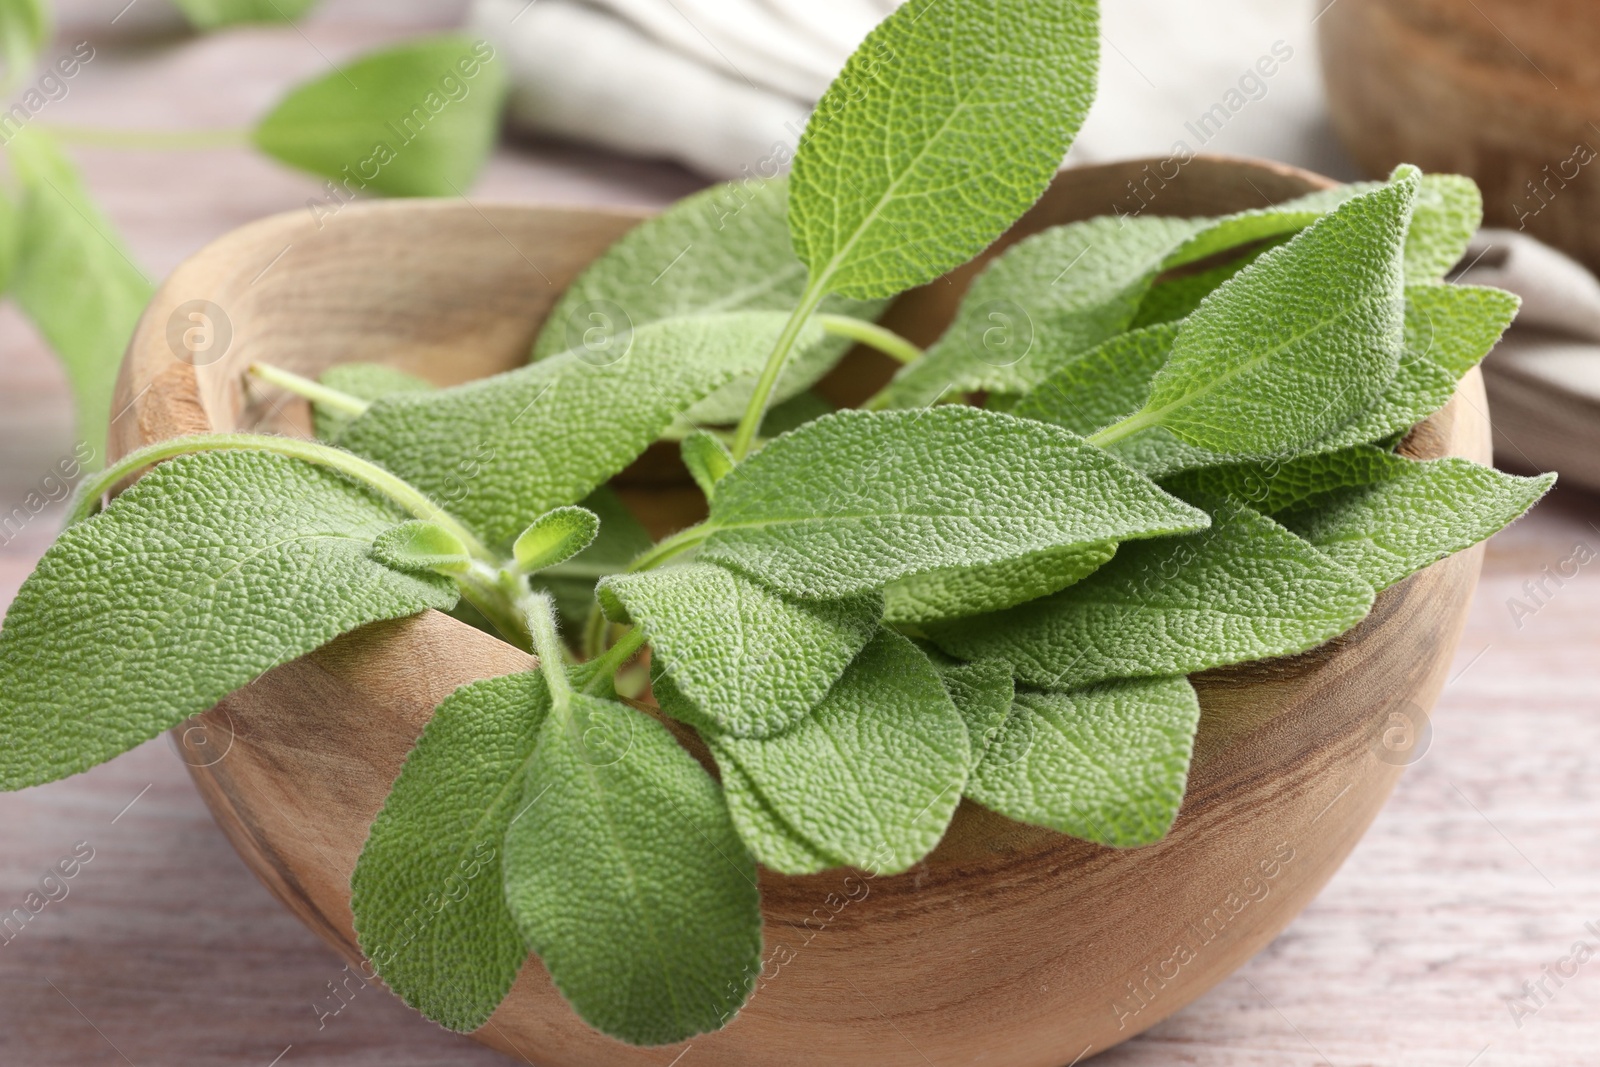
[[315, 392], [606, 666], [157, 140], [668, 547], [400, 492], [1139, 420], [871, 334], [540, 609], [756, 410]]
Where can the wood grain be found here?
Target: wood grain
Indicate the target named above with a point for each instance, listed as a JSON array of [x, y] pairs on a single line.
[[1284, 782], [1504, 91]]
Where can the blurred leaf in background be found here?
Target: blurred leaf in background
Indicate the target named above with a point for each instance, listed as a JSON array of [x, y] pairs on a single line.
[[214, 14], [73, 278], [415, 120], [25, 25]]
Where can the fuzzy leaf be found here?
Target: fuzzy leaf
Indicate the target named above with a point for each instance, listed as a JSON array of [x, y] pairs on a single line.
[[554, 537], [982, 693], [1448, 212], [417, 545], [365, 381], [1107, 764], [210, 571], [1416, 514], [956, 592], [74, 279], [1245, 589], [724, 249], [1041, 302], [1177, 297], [428, 892], [944, 126], [625, 875], [620, 540], [1250, 373], [869, 779], [1448, 329], [1102, 386], [708, 460], [417, 119], [751, 661], [500, 451], [856, 500]]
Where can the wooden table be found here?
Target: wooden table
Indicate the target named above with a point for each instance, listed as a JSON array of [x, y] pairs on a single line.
[[1479, 876]]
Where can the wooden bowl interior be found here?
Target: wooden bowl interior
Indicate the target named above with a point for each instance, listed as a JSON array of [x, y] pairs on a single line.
[[1009, 943]]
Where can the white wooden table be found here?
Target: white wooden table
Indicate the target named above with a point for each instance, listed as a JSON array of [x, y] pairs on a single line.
[[1480, 873]]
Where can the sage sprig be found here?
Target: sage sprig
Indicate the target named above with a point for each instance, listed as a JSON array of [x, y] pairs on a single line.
[[884, 610]]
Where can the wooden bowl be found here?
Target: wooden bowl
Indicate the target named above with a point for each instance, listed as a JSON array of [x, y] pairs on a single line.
[[1009, 944], [1504, 91]]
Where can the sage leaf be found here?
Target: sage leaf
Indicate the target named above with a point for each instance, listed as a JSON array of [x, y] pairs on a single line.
[[724, 249], [1102, 386], [955, 592], [1448, 330], [74, 279], [708, 460], [751, 661], [1414, 515], [1177, 297], [620, 541], [554, 537], [1448, 212], [778, 845], [625, 874], [25, 27], [1249, 370], [944, 126], [869, 779], [418, 545], [215, 14], [417, 119], [500, 451], [856, 500], [1106, 764], [428, 892], [364, 381], [211, 570], [982, 693], [1244, 589], [1046, 299]]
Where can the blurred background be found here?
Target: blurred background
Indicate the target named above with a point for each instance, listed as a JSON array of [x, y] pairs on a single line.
[[1427, 948]]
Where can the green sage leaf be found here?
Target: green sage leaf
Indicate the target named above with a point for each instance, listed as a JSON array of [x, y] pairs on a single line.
[[418, 545], [554, 537], [428, 892], [708, 460], [210, 571], [418, 119], [626, 876], [1107, 764], [74, 279], [500, 451], [1249, 372], [1244, 589], [751, 661], [724, 249], [364, 381], [856, 500], [869, 779], [944, 126]]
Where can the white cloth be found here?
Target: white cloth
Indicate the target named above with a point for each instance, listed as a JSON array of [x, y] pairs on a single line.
[[721, 84]]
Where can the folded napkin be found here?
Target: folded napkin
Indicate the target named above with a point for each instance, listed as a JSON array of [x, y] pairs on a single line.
[[1544, 376], [722, 86]]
